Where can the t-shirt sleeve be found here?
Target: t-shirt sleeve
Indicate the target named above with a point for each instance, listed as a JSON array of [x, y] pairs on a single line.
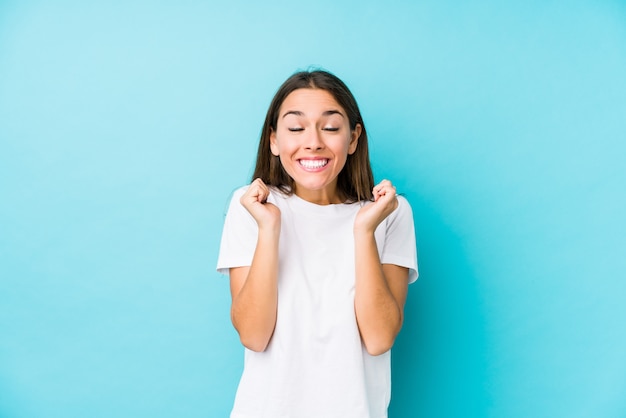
[[239, 236], [399, 247]]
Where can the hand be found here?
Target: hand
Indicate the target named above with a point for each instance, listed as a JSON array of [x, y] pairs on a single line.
[[255, 201], [371, 215]]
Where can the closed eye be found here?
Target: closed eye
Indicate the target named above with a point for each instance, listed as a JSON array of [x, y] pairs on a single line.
[[330, 129], [296, 129]]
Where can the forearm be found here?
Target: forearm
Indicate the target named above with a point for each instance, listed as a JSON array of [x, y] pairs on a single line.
[[379, 316], [253, 310]]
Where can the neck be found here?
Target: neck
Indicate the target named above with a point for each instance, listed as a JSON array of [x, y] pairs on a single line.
[[319, 197]]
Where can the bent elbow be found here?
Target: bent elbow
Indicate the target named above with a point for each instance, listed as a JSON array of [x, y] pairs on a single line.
[[258, 348], [378, 347], [380, 342], [254, 344], [252, 336]]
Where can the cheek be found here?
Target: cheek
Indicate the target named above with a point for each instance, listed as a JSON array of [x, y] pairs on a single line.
[[280, 144], [281, 147], [348, 146]]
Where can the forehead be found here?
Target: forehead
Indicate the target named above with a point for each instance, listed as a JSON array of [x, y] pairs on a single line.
[[310, 101]]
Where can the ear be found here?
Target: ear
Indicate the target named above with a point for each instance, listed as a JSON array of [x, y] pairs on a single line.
[[354, 138], [273, 144]]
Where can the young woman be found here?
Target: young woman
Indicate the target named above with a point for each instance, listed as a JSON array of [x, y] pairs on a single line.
[[319, 260]]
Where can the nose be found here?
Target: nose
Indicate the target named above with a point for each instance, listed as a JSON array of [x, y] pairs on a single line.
[[314, 141]]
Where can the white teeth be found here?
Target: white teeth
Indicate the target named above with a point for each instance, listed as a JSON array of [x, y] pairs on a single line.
[[313, 163]]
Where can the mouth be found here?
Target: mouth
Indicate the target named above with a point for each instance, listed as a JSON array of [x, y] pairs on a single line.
[[313, 164]]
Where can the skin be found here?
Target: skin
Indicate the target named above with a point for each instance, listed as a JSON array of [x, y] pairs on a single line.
[[313, 140], [312, 127]]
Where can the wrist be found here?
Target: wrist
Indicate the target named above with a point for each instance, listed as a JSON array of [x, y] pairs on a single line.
[[270, 231], [363, 232]]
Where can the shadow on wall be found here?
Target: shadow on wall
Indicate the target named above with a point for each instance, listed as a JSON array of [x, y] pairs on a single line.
[[439, 363]]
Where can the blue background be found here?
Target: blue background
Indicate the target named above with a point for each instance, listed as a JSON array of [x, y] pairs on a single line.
[[124, 127]]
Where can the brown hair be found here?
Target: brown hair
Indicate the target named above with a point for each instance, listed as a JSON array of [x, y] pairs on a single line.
[[355, 181]]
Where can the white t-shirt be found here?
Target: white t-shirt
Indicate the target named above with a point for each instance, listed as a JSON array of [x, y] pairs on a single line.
[[315, 365]]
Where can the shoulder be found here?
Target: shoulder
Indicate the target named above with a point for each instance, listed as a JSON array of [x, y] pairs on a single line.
[[403, 201], [233, 201], [236, 194], [239, 191], [402, 216], [403, 206]]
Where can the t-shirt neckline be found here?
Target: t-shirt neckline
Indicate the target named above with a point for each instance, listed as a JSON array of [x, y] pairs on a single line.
[[333, 208]]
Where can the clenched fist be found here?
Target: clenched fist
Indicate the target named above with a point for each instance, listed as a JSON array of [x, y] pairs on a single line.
[[266, 214]]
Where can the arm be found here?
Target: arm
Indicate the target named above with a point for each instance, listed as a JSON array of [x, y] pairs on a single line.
[[254, 288], [380, 290]]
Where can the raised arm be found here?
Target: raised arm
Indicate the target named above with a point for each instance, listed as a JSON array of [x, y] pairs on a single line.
[[254, 288], [380, 289]]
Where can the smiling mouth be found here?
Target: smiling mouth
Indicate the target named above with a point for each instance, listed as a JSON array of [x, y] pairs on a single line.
[[313, 164]]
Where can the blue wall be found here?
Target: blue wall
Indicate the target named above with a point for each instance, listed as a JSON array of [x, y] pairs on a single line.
[[123, 129]]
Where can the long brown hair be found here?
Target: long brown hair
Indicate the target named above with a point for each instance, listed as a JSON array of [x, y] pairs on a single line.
[[355, 181]]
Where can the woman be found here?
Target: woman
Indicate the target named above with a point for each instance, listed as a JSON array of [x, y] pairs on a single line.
[[319, 260]]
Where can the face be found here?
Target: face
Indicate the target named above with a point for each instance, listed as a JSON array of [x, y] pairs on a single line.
[[313, 140]]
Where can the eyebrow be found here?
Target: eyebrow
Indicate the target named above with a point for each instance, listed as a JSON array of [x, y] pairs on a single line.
[[326, 113]]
